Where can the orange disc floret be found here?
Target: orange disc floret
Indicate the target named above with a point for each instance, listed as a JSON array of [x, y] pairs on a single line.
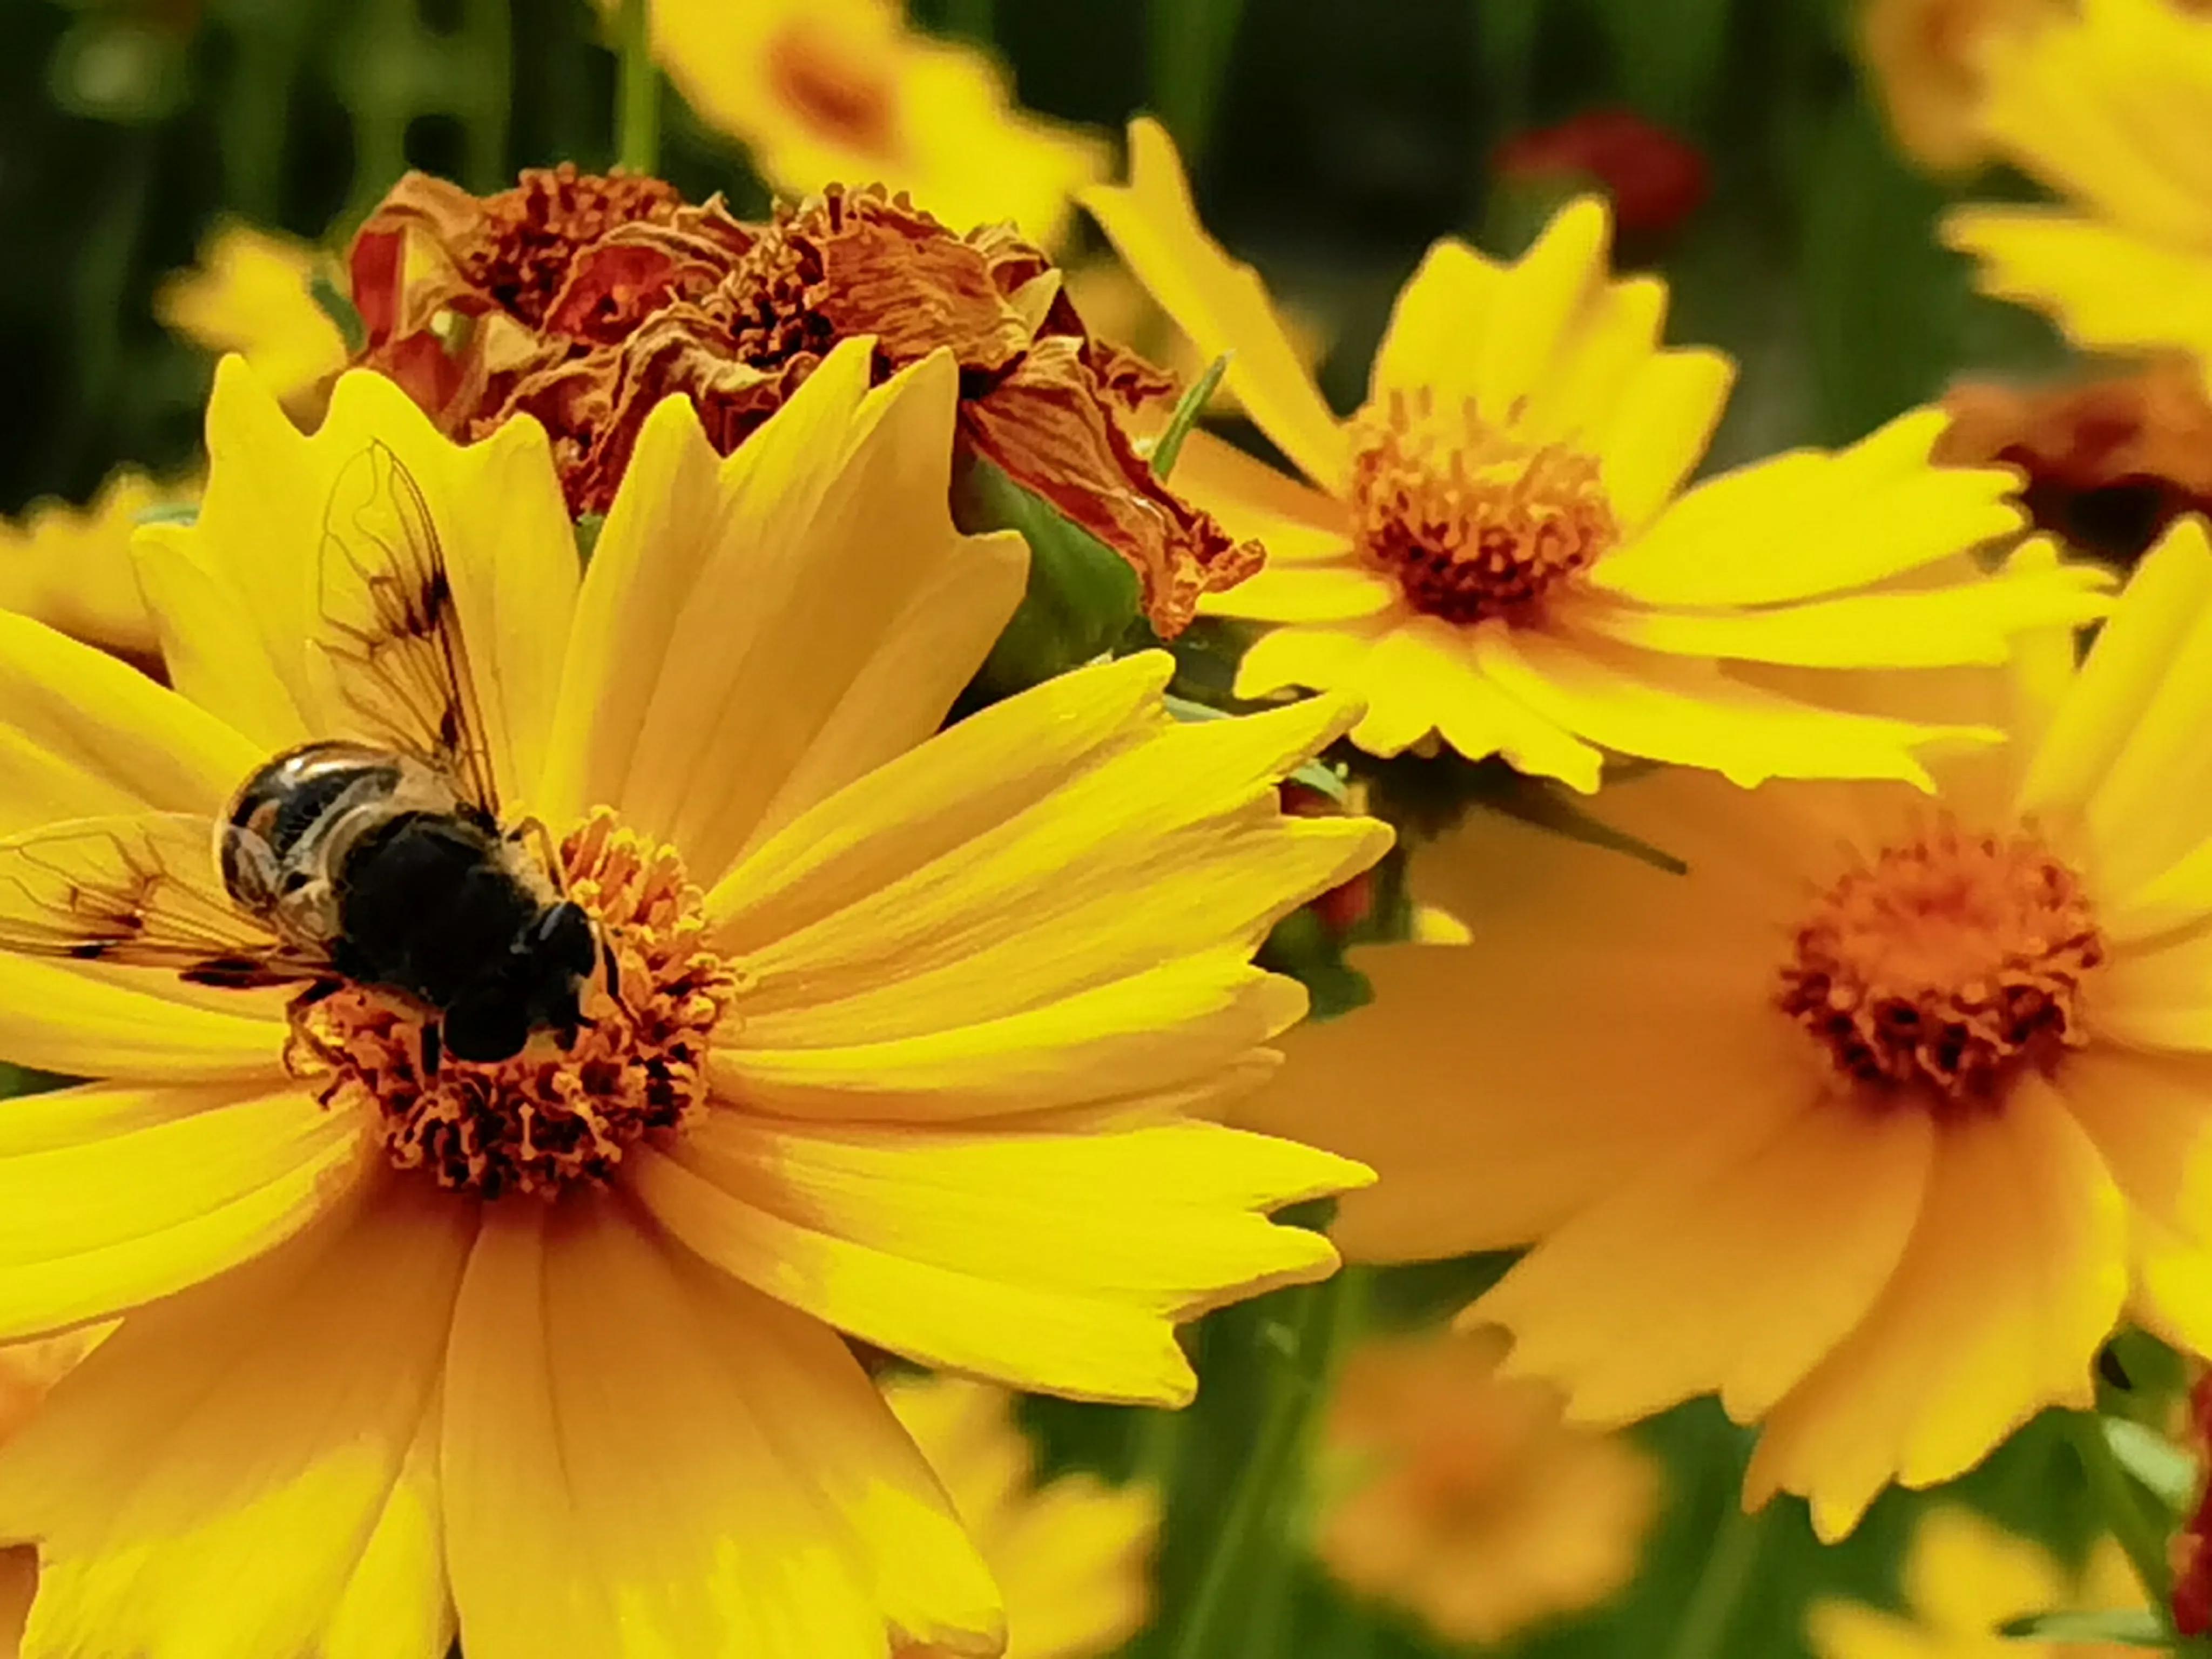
[[551, 1116], [1474, 525], [1942, 968]]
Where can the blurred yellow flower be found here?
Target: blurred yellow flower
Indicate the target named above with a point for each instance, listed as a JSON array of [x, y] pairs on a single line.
[[1965, 1578], [2108, 106], [1071, 1557], [249, 294], [845, 91], [907, 1042], [1925, 57], [1875, 1121], [70, 567], [1467, 1498], [29, 1371], [1115, 307], [1497, 548]]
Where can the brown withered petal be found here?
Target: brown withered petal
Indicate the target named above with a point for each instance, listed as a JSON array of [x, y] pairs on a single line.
[[2110, 462], [583, 302]]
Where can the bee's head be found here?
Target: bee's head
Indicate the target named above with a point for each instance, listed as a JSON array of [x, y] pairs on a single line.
[[540, 989]]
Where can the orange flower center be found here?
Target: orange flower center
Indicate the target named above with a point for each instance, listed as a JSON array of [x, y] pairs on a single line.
[[1474, 525], [1946, 966], [549, 1117], [829, 91]]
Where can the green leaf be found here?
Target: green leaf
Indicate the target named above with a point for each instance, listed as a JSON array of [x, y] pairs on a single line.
[[1187, 410], [2132, 1627], [1314, 774], [2168, 1472], [1082, 594], [587, 536], [340, 309]]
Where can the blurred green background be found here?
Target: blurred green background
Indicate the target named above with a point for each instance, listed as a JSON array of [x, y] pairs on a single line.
[[1330, 141]]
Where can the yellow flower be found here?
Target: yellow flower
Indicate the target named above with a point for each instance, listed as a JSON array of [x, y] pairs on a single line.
[[1467, 1499], [70, 567], [1874, 1121], [29, 1371], [2109, 107], [1495, 549], [846, 93], [897, 1036], [1071, 1557], [1925, 56], [249, 294], [1964, 1580]]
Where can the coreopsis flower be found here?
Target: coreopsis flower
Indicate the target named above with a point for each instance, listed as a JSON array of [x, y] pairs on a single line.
[[1874, 1120], [1465, 1497], [895, 1033], [1497, 548], [1653, 178], [251, 293], [2110, 461], [1072, 1556], [1964, 1579], [2102, 104], [583, 302], [70, 567], [824, 93], [1925, 59]]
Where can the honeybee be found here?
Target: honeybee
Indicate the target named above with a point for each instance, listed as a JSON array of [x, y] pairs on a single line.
[[380, 860]]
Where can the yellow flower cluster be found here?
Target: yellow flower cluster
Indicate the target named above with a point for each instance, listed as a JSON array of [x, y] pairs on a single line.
[[564, 1037]]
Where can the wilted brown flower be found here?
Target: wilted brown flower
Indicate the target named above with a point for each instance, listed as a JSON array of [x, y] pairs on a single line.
[[2110, 462], [584, 300]]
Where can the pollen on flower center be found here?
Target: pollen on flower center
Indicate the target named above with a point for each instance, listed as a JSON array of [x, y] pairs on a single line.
[[1472, 524], [549, 1117], [1946, 965]]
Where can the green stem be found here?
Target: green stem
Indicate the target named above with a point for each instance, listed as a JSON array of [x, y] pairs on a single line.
[[1297, 1386], [1719, 1589], [2141, 1532], [637, 98], [1191, 41]]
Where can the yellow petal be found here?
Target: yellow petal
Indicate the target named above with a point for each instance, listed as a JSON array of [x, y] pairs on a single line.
[[87, 735], [1677, 968], [757, 632], [2151, 1117], [1296, 522], [704, 1471], [495, 508], [1219, 303], [1733, 1267], [1965, 1577], [1305, 593], [1058, 1262], [2012, 1281], [135, 1024], [1906, 628], [1170, 846], [1536, 302], [1434, 342], [1657, 429], [111, 1197], [2107, 287], [1688, 713], [398, 1605], [251, 1430], [69, 567], [2165, 600], [210, 645], [1811, 522], [1181, 1025]]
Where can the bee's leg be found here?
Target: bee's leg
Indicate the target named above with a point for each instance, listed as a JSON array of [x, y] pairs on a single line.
[[434, 1048], [612, 966], [534, 831], [296, 1017]]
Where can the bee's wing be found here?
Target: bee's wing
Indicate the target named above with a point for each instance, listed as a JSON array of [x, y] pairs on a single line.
[[138, 892], [390, 629]]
